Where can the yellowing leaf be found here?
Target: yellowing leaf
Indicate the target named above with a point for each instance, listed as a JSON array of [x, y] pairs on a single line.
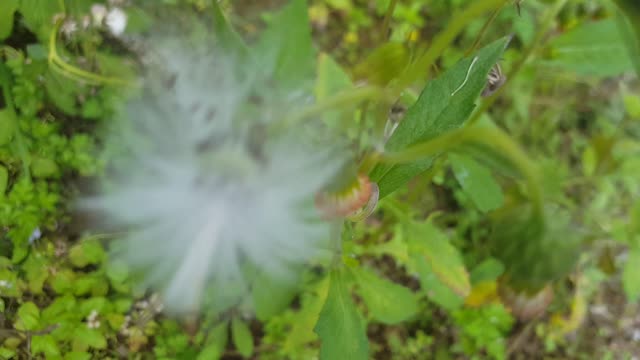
[[443, 258], [482, 293]]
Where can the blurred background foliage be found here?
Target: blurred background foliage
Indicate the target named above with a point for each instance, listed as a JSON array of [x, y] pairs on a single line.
[[491, 286]]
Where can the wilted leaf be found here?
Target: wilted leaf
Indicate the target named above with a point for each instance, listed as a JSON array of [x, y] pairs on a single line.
[[387, 302], [340, 327], [445, 103]]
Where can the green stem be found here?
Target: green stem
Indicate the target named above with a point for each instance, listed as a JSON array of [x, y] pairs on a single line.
[[491, 137], [420, 68], [387, 19], [340, 100], [73, 72], [484, 29], [537, 41]]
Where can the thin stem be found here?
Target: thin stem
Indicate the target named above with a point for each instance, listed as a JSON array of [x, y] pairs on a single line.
[[387, 19], [340, 100], [484, 29], [74, 72], [420, 69], [547, 23], [491, 137]]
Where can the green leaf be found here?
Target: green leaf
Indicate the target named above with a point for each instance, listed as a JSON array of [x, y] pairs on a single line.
[[387, 302], [242, 337], [77, 355], [384, 64], [6, 353], [340, 327], [8, 124], [38, 15], [84, 338], [44, 168], [444, 105], [271, 296], [7, 9], [442, 257], [592, 48], [488, 270], [437, 292], [28, 317], [477, 182], [631, 276], [285, 47], [629, 25], [88, 252], [216, 343], [46, 345]]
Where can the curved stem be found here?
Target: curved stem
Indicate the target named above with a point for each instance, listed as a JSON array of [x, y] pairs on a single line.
[[73, 72], [420, 69], [340, 100], [491, 137], [537, 41]]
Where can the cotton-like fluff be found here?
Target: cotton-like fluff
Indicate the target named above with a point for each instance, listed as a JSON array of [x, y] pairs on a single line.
[[204, 189]]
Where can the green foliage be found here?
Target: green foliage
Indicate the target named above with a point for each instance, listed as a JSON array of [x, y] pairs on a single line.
[[483, 329], [444, 105], [340, 326], [595, 49], [401, 286]]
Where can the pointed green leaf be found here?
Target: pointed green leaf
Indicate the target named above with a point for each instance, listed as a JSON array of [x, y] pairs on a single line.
[[631, 275], [444, 105], [477, 182], [387, 302], [216, 343], [242, 338], [437, 292], [592, 48], [285, 48], [8, 125], [442, 257], [340, 327]]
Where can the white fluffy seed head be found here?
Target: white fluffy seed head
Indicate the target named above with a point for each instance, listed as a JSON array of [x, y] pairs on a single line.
[[204, 190]]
